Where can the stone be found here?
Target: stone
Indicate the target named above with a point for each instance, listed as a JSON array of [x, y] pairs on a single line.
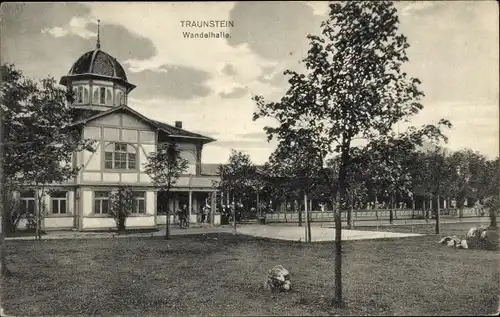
[[472, 232], [278, 279], [463, 245], [452, 241], [483, 234]]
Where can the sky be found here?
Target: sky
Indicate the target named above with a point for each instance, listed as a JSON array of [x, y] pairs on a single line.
[[208, 84]]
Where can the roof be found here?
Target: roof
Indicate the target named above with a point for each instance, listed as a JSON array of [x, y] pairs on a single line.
[[171, 131], [178, 132], [98, 63]]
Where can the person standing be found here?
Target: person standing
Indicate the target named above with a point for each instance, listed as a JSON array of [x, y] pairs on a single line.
[[203, 214], [183, 214]]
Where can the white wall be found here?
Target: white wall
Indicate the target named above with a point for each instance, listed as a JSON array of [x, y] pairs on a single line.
[[87, 202]]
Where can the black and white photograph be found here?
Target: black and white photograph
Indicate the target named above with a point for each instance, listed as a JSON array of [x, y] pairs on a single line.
[[249, 158]]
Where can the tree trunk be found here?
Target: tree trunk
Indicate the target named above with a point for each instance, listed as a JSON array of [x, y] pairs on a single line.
[[3, 211], [234, 216], [413, 208], [429, 210], [493, 218], [38, 234], [338, 254], [391, 210], [299, 211], [307, 227], [438, 211], [340, 194], [460, 203], [349, 213], [167, 220]]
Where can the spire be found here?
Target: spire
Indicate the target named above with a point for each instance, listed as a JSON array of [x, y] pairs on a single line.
[[98, 45]]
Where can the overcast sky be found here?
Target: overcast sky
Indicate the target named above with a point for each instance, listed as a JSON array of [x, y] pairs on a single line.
[[208, 83]]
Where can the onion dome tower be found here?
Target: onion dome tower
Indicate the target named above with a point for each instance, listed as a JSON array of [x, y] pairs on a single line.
[[97, 80]]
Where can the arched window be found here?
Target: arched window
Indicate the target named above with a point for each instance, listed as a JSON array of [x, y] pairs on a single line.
[[95, 98], [119, 100], [120, 156], [80, 95], [75, 94], [102, 95], [109, 96], [86, 96]]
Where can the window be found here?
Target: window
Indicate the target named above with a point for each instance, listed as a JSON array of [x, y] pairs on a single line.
[[109, 98], [28, 202], [139, 204], [119, 100], [120, 156], [101, 202], [102, 95], [80, 94], [59, 202]]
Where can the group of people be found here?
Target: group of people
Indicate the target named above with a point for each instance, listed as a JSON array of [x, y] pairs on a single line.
[[232, 209], [183, 215]]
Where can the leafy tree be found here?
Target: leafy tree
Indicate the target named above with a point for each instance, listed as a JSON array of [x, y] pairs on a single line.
[[466, 179], [39, 141], [237, 178], [353, 87], [121, 203], [488, 187], [165, 166], [3, 206], [436, 172], [299, 162], [390, 161]]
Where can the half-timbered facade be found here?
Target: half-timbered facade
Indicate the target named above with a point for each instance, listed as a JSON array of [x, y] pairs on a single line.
[[124, 139]]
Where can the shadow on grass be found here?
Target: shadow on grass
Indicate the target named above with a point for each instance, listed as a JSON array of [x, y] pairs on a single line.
[[223, 274]]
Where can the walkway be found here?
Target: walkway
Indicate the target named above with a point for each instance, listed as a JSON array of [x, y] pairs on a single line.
[[385, 222], [317, 233], [69, 234]]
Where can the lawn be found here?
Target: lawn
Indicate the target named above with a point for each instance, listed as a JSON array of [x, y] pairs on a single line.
[[458, 229], [223, 275]]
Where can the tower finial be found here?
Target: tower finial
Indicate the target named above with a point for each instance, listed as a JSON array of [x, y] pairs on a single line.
[[98, 34]]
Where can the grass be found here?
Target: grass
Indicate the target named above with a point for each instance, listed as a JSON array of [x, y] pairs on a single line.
[[458, 229], [222, 274]]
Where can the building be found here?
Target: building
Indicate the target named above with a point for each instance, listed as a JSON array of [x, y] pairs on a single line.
[[124, 139]]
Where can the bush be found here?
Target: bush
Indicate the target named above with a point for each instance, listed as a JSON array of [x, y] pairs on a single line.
[[15, 213], [120, 205]]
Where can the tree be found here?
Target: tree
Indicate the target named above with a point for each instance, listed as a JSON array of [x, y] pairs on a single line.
[[39, 140], [3, 211], [121, 203], [466, 179], [237, 178], [298, 161], [436, 172], [488, 188], [353, 87], [165, 166], [390, 161]]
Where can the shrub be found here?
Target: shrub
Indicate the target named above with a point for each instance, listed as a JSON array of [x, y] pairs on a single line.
[[120, 205], [14, 212]]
